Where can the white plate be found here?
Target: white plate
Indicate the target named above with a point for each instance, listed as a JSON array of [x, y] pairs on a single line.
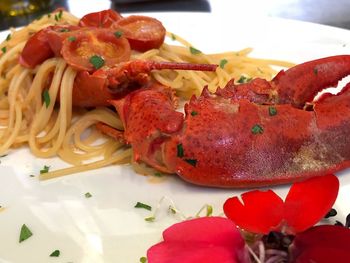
[[107, 227]]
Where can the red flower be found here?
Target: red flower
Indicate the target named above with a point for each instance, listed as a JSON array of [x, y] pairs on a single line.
[[263, 211], [217, 239], [321, 244], [204, 240]]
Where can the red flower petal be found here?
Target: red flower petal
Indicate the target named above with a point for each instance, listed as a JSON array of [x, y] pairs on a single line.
[[306, 203], [321, 244], [259, 212], [309, 201], [206, 239], [216, 230], [186, 252]]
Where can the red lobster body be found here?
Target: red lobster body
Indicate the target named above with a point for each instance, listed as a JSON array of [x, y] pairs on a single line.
[[247, 135]]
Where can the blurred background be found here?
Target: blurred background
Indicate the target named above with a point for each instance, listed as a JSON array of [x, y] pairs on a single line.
[[334, 13]]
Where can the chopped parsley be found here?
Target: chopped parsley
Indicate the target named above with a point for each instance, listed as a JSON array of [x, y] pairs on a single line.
[[150, 219], [194, 51], [64, 30], [158, 174], [272, 111], [55, 253], [97, 61], [72, 38], [192, 162], [58, 16], [88, 195], [4, 49], [118, 34], [48, 15], [173, 37], [223, 62], [194, 113], [143, 259], [8, 37], [46, 98], [180, 150], [25, 233], [257, 129], [144, 206], [243, 79], [45, 169]]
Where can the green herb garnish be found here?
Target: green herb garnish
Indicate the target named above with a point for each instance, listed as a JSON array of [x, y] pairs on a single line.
[[194, 113], [150, 219], [97, 61], [8, 37], [72, 38], [173, 37], [64, 30], [272, 111], [58, 16], [257, 129], [143, 259], [144, 206], [4, 49], [223, 62], [192, 162], [194, 51], [25, 233], [209, 210], [244, 79], [56, 253], [118, 34], [88, 195], [45, 169], [158, 174], [180, 150], [48, 15], [46, 98]]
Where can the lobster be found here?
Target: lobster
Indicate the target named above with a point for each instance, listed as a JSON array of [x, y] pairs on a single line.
[[108, 83], [244, 135]]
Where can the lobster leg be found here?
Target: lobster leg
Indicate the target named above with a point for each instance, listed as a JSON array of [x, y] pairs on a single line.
[[92, 90]]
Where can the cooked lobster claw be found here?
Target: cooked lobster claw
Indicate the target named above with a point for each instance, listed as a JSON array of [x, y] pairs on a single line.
[[253, 134]]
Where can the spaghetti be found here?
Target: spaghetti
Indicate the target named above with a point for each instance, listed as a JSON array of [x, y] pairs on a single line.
[[29, 114]]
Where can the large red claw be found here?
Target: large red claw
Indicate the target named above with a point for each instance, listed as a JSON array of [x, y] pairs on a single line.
[[205, 240], [321, 244], [306, 203]]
